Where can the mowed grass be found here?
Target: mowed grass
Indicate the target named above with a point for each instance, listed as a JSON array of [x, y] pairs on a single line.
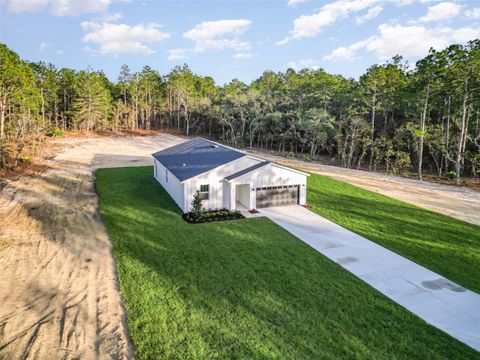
[[244, 289], [445, 245]]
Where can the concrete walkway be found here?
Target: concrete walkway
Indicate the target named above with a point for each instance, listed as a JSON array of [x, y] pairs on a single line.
[[440, 302]]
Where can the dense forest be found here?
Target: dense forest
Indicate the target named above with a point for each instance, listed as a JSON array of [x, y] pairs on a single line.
[[395, 118]]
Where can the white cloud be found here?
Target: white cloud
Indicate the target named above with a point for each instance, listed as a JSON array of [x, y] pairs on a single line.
[[408, 41], [177, 54], [111, 17], [473, 13], [307, 26], [75, 7], [17, 6], [44, 46], [303, 64], [90, 51], [122, 38], [220, 34], [342, 53], [442, 11], [372, 13], [60, 52], [216, 35], [59, 7], [243, 55], [295, 2]]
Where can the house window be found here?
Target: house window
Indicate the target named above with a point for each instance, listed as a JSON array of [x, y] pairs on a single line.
[[166, 175], [204, 189]]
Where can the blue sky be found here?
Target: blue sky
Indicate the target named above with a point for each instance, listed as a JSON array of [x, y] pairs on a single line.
[[233, 39]]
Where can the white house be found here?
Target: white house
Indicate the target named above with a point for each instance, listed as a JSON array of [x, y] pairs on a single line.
[[226, 177]]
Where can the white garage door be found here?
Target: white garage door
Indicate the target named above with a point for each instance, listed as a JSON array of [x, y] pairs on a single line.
[[277, 196]]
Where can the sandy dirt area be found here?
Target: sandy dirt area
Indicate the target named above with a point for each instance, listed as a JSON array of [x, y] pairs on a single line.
[[458, 202], [59, 295]]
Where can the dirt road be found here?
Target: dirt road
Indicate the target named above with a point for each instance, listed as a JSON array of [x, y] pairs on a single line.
[[58, 289], [458, 202]]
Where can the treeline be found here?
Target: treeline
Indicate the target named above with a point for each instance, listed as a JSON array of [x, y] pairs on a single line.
[[395, 118]]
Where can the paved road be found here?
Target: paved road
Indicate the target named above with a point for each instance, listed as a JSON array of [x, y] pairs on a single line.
[[440, 302]]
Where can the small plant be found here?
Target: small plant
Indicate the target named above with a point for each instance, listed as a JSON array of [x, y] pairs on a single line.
[[307, 157], [451, 175], [57, 132], [290, 154], [197, 208], [27, 159]]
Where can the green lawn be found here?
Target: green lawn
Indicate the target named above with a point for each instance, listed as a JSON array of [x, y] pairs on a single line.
[[244, 289], [445, 245]]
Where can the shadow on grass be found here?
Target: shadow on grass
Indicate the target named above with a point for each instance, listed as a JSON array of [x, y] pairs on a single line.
[[245, 288], [445, 245]]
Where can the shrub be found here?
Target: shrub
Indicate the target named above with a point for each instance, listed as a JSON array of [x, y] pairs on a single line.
[[307, 157], [401, 162], [57, 132], [451, 175], [197, 205], [27, 159], [211, 215]]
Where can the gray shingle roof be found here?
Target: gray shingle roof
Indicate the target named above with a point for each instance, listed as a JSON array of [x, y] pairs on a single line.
[[247, 170], [196, 156]]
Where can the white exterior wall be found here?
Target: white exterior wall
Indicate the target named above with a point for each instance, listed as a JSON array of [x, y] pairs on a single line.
[[214, 178], [226, 195], [174, 187], [271, 175], [243, 194]]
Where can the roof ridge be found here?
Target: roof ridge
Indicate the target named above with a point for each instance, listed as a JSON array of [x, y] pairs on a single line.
[[220, 144], [247, 170], [195, 156]]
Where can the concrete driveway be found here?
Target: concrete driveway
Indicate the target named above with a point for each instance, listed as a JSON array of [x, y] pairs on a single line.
[[440, 302]]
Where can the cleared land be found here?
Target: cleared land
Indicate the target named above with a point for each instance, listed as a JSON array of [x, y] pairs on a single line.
[[245, 288], [58, 290]]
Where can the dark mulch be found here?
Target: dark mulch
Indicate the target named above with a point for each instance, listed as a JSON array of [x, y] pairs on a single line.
[[211, 216]]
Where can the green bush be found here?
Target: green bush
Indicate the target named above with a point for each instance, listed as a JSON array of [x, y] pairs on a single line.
[[451, 175], [197, 209], [307, 157], [401, 162], [27, 159], [57, 132], [211, 215]]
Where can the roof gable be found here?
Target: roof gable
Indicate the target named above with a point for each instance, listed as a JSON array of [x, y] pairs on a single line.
[[196, 156]]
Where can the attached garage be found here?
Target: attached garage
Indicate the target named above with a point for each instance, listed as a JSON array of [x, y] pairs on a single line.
[[277, 195], [266, 184]]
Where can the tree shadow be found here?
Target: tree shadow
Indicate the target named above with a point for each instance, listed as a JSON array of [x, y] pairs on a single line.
[[445, 245]]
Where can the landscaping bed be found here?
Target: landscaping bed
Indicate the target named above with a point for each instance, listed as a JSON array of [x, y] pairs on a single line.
[[212, 215]]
